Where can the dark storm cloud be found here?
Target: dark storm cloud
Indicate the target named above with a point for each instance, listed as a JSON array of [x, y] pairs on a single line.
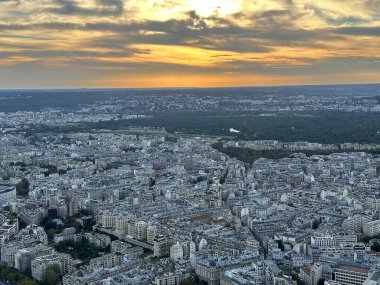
[[359, 31], [40, 53], [194, 31], [102, 8]]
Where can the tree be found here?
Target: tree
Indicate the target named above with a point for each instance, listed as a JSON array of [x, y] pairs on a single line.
[[22, 188], [321, 281], [14, 276], [51, 275], [50, 169], [366, 239], [28, 282], [376, 247], [152, 182], [6, 177], [22, 224], [297, 279], [281, 245], [198, 281]]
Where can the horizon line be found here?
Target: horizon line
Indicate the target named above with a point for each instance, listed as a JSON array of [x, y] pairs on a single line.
[[186, 87]]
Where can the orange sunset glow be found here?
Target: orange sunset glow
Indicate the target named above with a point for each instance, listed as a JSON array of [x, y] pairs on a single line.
[[161, 43]]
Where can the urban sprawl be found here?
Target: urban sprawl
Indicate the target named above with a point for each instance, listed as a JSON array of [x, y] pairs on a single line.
[[112, 207]]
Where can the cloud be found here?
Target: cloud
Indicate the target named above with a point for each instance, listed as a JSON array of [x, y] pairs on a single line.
[[213, 36], [98, 8], [359, 31]]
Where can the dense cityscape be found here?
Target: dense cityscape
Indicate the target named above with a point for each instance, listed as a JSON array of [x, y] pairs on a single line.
[[189, 142], [143, 205]]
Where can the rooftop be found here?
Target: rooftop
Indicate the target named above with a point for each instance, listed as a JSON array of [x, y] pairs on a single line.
[[353, 268], [6, 188]]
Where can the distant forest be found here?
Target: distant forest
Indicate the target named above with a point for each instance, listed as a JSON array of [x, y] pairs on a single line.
[[322, 127], [330, 126]]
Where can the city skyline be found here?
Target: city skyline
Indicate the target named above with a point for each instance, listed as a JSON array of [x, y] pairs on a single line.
[[116, 43]]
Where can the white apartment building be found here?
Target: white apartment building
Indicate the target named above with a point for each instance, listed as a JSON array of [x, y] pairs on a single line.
[[371, 228], [168, 279], [349, 275]]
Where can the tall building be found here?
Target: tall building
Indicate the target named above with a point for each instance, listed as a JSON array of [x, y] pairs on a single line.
[[161, 246], [349, 275], [371, 228], [151, 234], [355, 223], [311, 275], [121, 224], [188, 248], [73, 207], [141, 230], [316, 273], [106, 261], [252, 245], [99, 240], [176, 251], [328, 241], [107, 220], [41, 263], [168, 279], [24, 256], [373, 203]]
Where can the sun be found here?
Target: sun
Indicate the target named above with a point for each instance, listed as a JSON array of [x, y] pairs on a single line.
[[206, 8]]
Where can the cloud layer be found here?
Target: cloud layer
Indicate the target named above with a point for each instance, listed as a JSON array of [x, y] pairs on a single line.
[[145, 43]]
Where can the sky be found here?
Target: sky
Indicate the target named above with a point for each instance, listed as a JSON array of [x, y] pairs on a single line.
[[187, 43]]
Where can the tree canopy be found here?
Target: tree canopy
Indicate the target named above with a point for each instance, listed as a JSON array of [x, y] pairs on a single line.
[[51, 275], [22, 188]]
